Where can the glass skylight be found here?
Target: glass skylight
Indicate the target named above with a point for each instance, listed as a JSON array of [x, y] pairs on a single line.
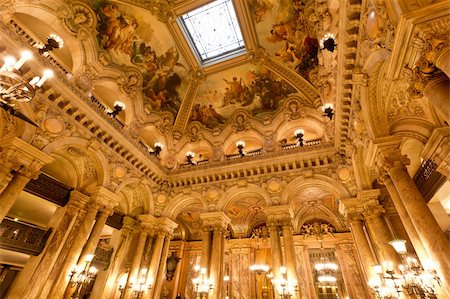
[[213, 31]]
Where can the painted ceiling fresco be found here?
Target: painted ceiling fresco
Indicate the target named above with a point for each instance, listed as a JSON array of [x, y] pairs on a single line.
[[245, 213], [190, 218], [288, 30], [250, 87], [138, 39]]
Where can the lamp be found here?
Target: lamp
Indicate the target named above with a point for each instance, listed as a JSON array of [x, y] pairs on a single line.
[[416, 280], [142, 285], [202, 284], [328, 42], [328, 110], [189, 156], [385, 286], [325, 270], [80, 277], [226, 279], [118, 107], [121, 285], [285, 288], [298, 134], [240, 146], [13, 86], [53, 42], [157, 149]]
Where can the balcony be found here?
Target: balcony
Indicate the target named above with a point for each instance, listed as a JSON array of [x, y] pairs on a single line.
[[22, 237], [102, 257], [428, 180]]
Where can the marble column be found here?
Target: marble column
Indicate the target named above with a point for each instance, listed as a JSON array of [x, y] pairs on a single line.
[[133, 276], [406, 221], [114, 269], [218, 221], [385, 152], [289, 253], [94, 237], [380, 234], [12, 191], [27, 160], [362, 245], [30, 282], [275, 246], [206, 247], [60, 282], [155, 259], [162, 268], [354, 283]]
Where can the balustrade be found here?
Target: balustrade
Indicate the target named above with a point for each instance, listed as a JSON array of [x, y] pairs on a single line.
[[22, 237]]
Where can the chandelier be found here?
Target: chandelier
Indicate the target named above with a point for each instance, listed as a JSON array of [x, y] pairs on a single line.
[[13, 86], [81, 277], [414, 278], [326, 271], [202, 284], [285, 287]]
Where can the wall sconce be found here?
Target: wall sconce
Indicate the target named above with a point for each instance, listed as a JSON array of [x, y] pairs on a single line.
[[328, 42], [53, 42], [158, 147], [189, 156], [328, 110], [80, 277], [118, 107], [298, 134], [240, 146], [171, 267]]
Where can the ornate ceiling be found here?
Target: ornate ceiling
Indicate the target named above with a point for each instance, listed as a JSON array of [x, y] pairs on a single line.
[[136, 52]]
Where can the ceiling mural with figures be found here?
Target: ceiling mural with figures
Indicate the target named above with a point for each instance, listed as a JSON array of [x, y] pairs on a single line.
[[290, 30], [251, 87], [137, 38], [245, 213]]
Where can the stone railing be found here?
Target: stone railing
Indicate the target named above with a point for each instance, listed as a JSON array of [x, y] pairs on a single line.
[[428, 180], [102, 257], [312, 142], [251, 153], [22, 237]]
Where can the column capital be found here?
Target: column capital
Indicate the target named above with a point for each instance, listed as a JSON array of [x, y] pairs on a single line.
[[215, 220], [385, 153], [17, 154], [77, 200], [279, 215], [162, 225], [105, 197]]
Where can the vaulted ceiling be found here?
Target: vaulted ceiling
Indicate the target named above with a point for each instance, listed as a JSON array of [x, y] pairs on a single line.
[[138, 53]]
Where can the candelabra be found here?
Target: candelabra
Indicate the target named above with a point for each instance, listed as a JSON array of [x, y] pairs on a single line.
[[226, 279], [284, 287], [328, 42], [387, 284], [81, 277], [202, 284], [328, 110], [53, 42], [298, 134], [189, 156], [118, 107], [139, 287], [158, 147], [240, 146]]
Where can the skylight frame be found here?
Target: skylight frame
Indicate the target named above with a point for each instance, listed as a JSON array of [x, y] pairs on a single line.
[[198, 44]]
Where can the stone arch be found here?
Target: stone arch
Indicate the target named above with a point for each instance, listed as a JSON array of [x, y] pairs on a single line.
[[322, 181], [324, 213], [236, 192], [94, 155], [177, 203]]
